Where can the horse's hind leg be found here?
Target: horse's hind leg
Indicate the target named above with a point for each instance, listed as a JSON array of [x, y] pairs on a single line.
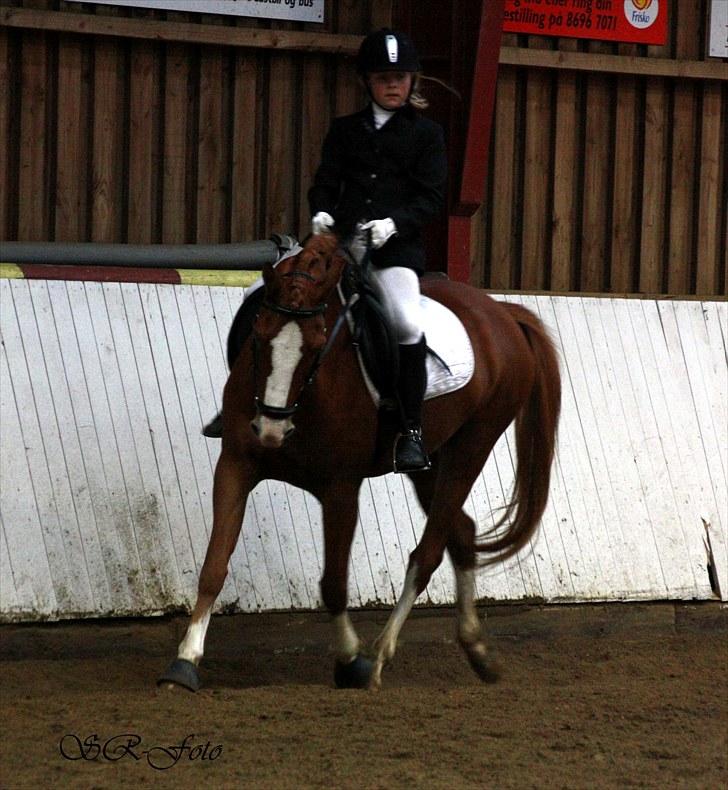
[[233, 482], [339, 503], [460, 546]]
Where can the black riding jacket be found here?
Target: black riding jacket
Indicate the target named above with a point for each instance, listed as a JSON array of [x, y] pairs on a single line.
[[397, 171]]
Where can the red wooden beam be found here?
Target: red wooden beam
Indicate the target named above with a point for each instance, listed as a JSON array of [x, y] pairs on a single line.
[[477, 142]]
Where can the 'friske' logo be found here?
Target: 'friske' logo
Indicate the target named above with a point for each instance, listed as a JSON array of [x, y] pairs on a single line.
[[641, 13]]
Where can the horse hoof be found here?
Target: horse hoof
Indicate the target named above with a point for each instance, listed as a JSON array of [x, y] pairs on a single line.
[[485, 665], [354, 675], [180, 673]]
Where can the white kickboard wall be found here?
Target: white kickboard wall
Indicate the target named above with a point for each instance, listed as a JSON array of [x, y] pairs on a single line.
[[105, 480]]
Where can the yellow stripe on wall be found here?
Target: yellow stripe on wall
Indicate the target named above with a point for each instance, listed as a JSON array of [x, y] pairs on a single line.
[[230, 279], [10, 271]]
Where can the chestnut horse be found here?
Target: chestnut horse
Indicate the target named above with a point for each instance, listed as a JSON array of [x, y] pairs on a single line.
[[296, 409]]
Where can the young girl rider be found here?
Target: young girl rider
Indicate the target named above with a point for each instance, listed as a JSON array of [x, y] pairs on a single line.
[[384, 170]]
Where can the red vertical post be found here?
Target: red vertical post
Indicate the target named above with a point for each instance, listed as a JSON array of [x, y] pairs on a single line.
[[477, 141]]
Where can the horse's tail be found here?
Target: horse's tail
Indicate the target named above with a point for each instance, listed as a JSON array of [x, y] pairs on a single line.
[[536, 426]]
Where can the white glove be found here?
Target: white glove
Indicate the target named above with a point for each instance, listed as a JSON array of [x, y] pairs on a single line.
[[321, 223], [382, 230]]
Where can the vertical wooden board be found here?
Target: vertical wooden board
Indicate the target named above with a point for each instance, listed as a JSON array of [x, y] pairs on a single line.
[[315, 118], [695, 434], [275, 595], [175, 145], [251, 537], [672, 425], [212, 144], [572, 569], [144, 503], [142, 109], [179, 360], [107, 144], [658, 487], [35, 321], [625, 441], [282, 210], [654, 187], [70, 143], [11, 602], [712, 165], [547, 544], [38, 437], [287, 537], [564, 177], [351, 16], [395, 527], [375, 539], [33, 186], [6, 188], [21, 518], [103, 501], [624, 188], [707, 378], [184, 515], [138, 458], [502, 260], [609, 528], [578, 453], [169, 412], [308, 535], [103, 431], [536, 208], [244, 188], [212, 314], [680, 240], [198, 391], [597, 168]]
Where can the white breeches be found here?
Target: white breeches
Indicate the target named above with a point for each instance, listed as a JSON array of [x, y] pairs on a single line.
[[399, 290]]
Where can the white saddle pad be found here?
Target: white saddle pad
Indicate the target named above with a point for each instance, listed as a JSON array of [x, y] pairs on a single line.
[[447, 337]]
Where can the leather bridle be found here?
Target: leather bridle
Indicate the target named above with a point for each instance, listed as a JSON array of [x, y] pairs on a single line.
[[298, 314]]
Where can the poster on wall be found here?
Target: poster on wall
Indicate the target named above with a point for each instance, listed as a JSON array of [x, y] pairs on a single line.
[[290, 10], [633, 21], [718, 44]]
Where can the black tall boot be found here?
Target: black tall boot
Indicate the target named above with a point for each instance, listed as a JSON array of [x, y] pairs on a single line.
[[409, 454]]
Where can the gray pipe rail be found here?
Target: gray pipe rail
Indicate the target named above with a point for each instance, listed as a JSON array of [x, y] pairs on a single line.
[[248, 256]]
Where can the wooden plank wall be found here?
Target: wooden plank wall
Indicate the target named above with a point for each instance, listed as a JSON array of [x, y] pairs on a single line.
[[128, 140], [598, 182], [105, 502], [609, 182]]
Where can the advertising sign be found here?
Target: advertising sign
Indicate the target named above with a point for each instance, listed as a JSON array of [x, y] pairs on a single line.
[[289, 10], [718, 45], [633, 21]]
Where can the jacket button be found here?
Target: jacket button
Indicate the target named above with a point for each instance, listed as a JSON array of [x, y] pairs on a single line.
[[368, 201], [373, 175]]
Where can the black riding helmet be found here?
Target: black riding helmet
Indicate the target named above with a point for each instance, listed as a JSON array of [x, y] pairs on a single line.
[[387, 50]]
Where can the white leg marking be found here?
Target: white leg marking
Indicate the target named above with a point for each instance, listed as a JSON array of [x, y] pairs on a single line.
[[285, 356], [468, 623], [192, 646], [386, 643], [347, 642]]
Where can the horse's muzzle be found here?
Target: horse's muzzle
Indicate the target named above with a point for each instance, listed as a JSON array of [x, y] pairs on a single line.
[[272, 431]]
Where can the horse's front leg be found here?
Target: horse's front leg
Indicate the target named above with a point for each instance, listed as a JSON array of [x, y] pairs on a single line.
[[234, 480], [340, 506]]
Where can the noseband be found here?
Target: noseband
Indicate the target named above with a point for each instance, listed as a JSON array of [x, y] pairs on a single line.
[[284, 412]]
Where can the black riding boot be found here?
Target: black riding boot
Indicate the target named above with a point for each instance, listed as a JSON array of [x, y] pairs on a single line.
[[409, 454]]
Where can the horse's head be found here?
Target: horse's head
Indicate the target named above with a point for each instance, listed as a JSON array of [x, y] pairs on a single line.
[[290, 333]]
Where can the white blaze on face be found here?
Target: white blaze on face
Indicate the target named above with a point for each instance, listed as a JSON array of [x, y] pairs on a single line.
[[285, 356]]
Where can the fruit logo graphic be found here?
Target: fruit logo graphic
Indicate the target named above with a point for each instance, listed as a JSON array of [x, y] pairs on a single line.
[[641, 13]]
